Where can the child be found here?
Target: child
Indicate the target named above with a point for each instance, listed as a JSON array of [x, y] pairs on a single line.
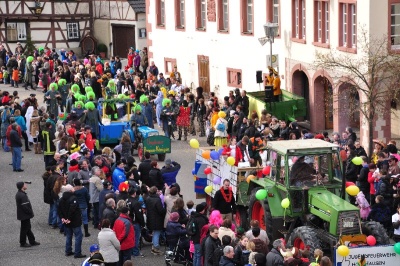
[[15, 76], [5, 75], [318, 254], [189, 205], [363, 205], [371, 181]]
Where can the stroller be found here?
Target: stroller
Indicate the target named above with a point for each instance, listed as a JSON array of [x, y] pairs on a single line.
[[179, 254]]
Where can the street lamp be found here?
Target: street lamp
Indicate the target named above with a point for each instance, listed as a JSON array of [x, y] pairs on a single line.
[[271, 30]]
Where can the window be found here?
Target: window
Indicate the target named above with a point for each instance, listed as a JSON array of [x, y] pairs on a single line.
[[321, 27], [142, 33], [247, 16], [160, 13], [201, 14], [169, 64], [223, 16], [16, 31], [395, 25], [299, 19], [234, 77], [348, 26], [273, 13], [180, 14], [73, 31]]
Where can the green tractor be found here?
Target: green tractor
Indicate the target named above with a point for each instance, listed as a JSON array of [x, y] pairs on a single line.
[[319, 216]]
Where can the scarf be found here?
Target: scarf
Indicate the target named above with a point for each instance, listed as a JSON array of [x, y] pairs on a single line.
[[228, 197]]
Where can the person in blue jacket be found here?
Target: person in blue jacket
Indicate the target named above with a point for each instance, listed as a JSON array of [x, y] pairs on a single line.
[[118, 175], [170, 171], [21, 122]]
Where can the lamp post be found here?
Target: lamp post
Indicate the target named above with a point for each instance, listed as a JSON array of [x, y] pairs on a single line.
[[270, 30]]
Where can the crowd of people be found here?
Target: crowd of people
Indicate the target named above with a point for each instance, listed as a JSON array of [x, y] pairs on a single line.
[[84, 183]]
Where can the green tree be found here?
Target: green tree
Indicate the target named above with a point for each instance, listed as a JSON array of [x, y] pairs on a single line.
[[373, 74], [30, 45]]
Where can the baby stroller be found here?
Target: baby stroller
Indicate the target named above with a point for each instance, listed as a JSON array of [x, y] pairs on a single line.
[[179, 253]]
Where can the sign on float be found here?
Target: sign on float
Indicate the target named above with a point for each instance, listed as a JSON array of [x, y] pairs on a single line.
[[376, 255]]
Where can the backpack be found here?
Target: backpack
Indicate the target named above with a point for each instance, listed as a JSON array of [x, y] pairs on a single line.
[[191, 227], [127, 224], [221, 127]]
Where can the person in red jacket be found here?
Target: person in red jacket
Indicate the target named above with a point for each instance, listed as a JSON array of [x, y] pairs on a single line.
[[125, 233], [89, 141], [371, 180], [233, 150]]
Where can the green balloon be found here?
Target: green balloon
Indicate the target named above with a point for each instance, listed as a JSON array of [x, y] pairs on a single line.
[[261, 194], [29, 59], [285, 203], [357, 160], [397, 248]]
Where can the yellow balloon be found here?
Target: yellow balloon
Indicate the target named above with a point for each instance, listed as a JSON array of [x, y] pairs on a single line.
[[352, 190], [285, 203], [208, 189], [230, 160], [343, 251], [194, 143]]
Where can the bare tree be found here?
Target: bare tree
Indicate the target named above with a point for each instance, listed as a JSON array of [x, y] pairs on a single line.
[[373, 75]]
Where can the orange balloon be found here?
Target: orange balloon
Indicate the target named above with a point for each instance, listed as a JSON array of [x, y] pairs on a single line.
[[206, 155], [250, 177]]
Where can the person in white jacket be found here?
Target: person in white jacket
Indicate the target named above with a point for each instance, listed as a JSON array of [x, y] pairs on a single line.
[[109, 244]]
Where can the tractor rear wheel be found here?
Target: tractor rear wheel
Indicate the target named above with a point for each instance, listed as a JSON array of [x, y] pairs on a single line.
[[259, 210], [241, 217], [377, 230], [305, 236], [140, 152], [161, 157]]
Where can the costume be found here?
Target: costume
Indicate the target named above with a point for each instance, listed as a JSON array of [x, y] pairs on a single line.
[[277, 88], [183, 121]]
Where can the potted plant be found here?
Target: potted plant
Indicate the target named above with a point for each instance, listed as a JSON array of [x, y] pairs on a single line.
[[102, 50]]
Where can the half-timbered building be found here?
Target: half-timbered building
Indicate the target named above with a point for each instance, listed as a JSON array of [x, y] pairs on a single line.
[[79, 25], [51, 23]]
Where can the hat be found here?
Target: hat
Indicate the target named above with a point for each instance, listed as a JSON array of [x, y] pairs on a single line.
[[380, 142], [94, 248], [63, 152], [106, 183], [68, 188], [96, 259], [20, 185], [75, 156], [124, 210], [123, 187], [32, 95], [200, 207], [174, 217], [392, 157], [231, 112], [168, 161], [73, 162]]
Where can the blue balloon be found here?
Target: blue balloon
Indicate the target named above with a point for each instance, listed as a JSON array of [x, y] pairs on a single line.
[[220, 151], [193, 171], [214, 155]]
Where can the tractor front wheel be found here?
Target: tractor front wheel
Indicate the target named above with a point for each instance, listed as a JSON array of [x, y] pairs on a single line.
[[140, 152], [303, 237], [259, 210], [377, 230], [161, 157]]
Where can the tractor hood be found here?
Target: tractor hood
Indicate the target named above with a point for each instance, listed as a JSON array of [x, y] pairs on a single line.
[[341, 215]]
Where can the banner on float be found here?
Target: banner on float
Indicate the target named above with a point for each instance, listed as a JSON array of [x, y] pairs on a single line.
[[375, 255]]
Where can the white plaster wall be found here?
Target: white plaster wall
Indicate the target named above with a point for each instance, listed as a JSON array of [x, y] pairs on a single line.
[[224, 50]]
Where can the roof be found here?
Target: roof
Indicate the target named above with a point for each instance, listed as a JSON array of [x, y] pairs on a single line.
[[305, 144], [139, 6]]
